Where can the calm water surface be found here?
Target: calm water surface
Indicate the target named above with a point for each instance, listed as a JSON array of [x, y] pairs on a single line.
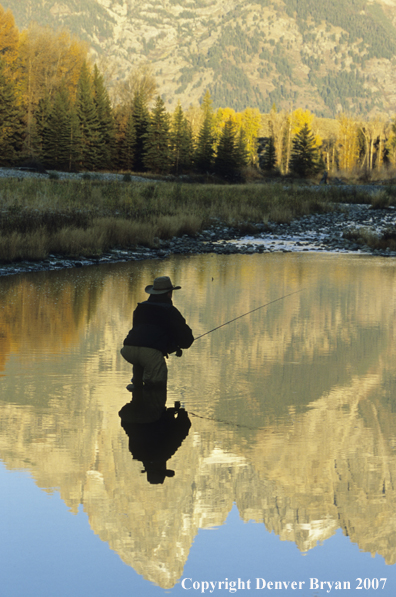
[[287, 473]]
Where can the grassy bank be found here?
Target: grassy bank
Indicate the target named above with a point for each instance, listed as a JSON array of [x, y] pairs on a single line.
[[76, 218]]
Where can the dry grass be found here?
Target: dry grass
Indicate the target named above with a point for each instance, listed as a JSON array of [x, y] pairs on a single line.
[[76, 218], [381, 200], [362, 175], [366, 237], [16, 246], [361, 236]]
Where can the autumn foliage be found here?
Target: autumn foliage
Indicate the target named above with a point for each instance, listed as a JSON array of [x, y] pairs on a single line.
[[57, 110]]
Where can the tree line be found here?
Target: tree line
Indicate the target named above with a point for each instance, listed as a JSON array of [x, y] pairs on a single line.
[[56, 109], [295, 143], [84, 131]]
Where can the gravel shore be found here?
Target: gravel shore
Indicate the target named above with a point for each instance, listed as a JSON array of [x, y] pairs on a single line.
[[315, 233], [21, 173]]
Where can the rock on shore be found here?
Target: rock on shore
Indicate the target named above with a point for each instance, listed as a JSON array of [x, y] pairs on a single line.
[[321, 233]]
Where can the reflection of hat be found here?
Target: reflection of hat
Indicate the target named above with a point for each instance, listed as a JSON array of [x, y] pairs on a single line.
[[161, 285], [157, 472]]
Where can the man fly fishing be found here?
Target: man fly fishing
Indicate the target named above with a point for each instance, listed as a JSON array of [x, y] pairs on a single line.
[[158, 329]]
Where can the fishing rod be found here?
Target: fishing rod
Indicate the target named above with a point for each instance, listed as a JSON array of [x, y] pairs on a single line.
[[248, 313], [217, 328]]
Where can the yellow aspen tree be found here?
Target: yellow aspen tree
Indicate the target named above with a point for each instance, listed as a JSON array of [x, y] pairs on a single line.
[[328, 152], [289, 137], [347, 142], [251, 124], [367, 133], [377, 146], [225, 114], [382, 136], [278, 125], [195, 118], [373, 132], [71, 54], [9, 38], [300, 118], [390, 143], [48, 59], [221, 116]]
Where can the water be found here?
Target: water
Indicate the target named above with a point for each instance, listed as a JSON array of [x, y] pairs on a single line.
[[287, 474]]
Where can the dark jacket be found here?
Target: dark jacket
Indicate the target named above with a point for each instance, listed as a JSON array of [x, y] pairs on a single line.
[[158, 324]]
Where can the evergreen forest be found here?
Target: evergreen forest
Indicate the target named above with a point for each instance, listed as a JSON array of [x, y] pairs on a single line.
[[56, 110]]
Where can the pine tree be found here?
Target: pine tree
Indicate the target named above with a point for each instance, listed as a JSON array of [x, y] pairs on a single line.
[[126, 143], [11, 120], [156, 144], [226, 161], [55, 133], [205, 147], [141, 118], [181, 141], [88, 121], [31, 149], [106, 133], [75, 138], [269, 157], [41, 117], [304, 154], [61, 142], [242, 153]]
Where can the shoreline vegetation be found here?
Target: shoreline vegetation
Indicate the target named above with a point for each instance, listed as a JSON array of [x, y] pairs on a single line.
[[87, 218], [213, 165]]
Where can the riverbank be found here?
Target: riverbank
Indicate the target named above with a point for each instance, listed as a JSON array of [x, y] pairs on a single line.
[[326, 232], [60, 223]]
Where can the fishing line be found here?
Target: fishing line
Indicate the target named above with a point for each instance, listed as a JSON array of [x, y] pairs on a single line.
[[222, 325], [223, 422], [248, 313]]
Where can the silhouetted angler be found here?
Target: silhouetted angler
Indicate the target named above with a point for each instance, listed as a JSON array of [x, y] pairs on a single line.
[[158, 329]]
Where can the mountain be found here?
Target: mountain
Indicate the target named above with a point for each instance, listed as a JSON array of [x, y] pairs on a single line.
[[323, 55]]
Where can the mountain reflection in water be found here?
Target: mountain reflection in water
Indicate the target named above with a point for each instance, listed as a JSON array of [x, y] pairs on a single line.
[[292, 407]]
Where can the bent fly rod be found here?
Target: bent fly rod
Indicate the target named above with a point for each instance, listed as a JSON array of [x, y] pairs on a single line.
[[248, 313]]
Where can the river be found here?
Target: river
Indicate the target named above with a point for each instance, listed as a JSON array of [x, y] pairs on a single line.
[[284, 478]]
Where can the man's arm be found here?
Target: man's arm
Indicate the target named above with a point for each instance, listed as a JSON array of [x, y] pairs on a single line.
[[182, 332]]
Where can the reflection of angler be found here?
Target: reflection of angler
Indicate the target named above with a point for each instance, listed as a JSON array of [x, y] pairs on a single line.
[[155, 443]]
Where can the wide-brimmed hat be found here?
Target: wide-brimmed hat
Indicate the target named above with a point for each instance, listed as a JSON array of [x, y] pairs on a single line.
[[161, 285]]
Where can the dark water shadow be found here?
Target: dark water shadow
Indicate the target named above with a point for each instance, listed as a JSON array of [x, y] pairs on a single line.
[[154, 443]]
